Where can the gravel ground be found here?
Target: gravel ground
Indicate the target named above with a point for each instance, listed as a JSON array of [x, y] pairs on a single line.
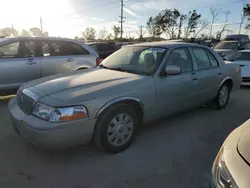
[[177, 151]]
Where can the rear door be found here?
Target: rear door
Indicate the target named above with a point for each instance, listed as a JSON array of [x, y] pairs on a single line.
[[18, 63], [209, 74], [62, 56]]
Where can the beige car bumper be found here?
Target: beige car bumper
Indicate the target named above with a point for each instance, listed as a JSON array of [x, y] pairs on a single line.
[[64, 135], [236, 165]]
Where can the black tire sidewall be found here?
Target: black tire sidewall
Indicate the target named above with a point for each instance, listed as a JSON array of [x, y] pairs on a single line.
[[218, 105], [103, 123]]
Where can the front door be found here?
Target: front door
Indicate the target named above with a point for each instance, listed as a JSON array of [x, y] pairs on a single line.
[[18, 64], [177, 92]]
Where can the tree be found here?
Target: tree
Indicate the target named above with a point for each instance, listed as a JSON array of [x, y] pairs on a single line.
[[224, 27], [89, 33], [245, 14], [141, 33], [102, 34], [25, 33], [8, 31], [153, 26], [109, 37], [36, 32], [182, 18], [117, 31], [203, 24], [215, 13], [168, 21], [194, 20]]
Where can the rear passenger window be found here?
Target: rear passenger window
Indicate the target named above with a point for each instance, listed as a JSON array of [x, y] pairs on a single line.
[[61, 48], [106, 47], [212, 59], [201, 58], [28, 49]]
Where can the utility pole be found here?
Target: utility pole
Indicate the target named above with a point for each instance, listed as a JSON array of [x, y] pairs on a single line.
[[141, 34], [41, 24], [122, 18], [12, 29]]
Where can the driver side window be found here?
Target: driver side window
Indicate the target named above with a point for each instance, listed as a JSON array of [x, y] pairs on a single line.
[[181, 57], [9, 50]]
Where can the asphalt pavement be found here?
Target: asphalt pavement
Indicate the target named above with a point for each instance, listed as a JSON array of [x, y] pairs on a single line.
[[176, 151]]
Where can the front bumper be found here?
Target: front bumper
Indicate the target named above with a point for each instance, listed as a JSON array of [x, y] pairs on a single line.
[[237, 167], [50, 135]]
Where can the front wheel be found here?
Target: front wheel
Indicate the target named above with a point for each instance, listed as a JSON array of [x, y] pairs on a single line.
[[222, 97], [115, 130]]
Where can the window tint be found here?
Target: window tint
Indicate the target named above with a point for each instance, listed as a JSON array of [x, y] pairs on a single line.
[[202, 58], [242, 56], [106, 47], [212, 59], [182, 58], [28, 49], [246, 46], [9, 50], [61, 48]]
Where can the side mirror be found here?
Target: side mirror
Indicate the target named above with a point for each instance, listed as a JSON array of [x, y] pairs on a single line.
[[172, 70]]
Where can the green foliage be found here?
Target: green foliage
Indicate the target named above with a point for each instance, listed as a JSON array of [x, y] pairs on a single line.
[[246, 13], [194, 19], [153, 25], [8, 31], [117, 31], [89, 33]]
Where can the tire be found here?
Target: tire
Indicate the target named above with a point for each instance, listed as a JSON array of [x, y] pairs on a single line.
[[222, 97], [115, 129]]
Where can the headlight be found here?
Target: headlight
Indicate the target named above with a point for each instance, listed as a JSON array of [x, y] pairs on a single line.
[[221, 175], [59, 114], [68, 114], [43, 111]]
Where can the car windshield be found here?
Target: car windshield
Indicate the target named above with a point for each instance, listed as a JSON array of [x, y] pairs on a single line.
[[135, 59], [242, 56], [227, 45]]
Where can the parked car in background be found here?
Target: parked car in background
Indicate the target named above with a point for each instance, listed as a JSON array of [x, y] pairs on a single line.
[[242, 58], [27, 58], [134, 85], [231, 167], [238, 37], [103, 49], [227, 49]]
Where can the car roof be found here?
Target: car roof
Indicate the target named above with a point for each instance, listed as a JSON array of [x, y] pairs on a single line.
[[167, 44], [99, 43], [39, 38]]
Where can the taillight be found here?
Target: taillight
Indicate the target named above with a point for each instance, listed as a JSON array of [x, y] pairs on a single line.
[[98, 61]]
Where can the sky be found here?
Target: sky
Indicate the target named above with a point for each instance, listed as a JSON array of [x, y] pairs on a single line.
[[68, 18]]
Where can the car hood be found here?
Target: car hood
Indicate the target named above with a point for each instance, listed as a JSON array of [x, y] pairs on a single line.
[[83, 85], [244, 143]]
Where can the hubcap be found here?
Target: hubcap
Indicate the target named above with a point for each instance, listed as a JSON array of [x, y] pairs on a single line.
[[223, 95], [120, 129]]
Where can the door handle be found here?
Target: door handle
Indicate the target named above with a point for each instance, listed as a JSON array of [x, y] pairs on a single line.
[[220, 73], [70, 60], [30, 62], [195, 79]]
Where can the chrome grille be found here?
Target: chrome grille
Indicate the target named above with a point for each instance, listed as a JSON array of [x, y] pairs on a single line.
[[24, 102]]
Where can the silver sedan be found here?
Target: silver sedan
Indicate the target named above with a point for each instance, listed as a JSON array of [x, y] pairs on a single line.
[[135, 85], [24, 59]]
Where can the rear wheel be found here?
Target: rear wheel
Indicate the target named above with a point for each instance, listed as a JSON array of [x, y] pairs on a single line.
[[223, 96], [115, 130]]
